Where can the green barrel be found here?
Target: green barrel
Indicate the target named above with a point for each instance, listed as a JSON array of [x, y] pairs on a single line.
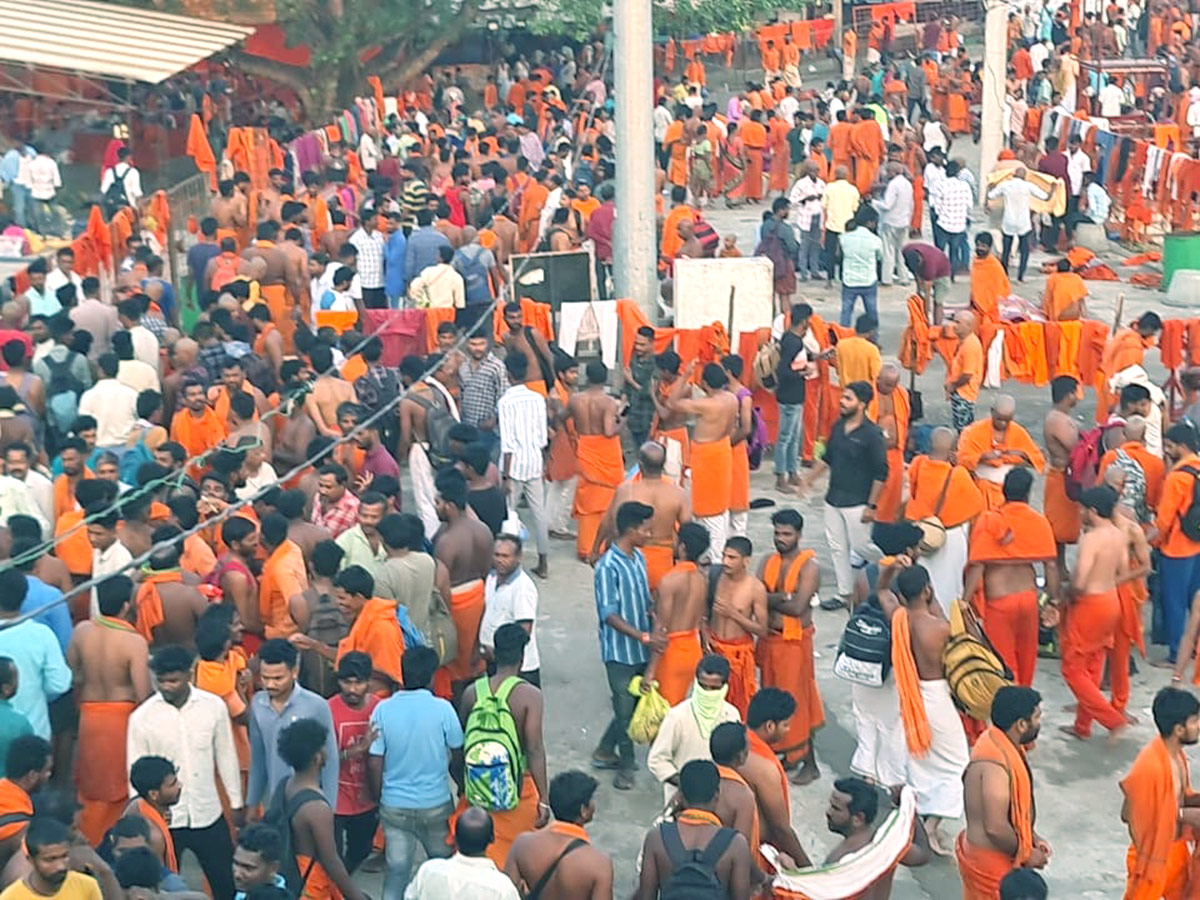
[[1181, 250]]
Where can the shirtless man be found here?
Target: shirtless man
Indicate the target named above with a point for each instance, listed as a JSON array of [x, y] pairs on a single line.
[[229, 209], [1060, 434], [737, 617], [292, 247], [1094, 613], [672, 510], [421, 396], [167, 607], [680, 608], [735, 800], [234, 381], [601, 463], [110, 664], [585, 873], [268, 341], [1131, 593], [670, 425], [301, 532], [936, 770], [715, 416], [273, 283], [464, 545], [507, 233], [183, 355], [853, 808], [328, 392], [27, 531], [295, 428], [532, 343], [270, 198]]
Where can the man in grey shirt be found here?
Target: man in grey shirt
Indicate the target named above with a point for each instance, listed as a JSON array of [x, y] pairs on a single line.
[[422, 250], [281, 702]]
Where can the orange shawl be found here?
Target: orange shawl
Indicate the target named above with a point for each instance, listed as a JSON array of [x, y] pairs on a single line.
[[793, 630], [979, 438], [376, 632], [989, 285], [1063, 290], [728, 774], [152, 815], [13, 800], [1152, 799], [908, 686], [761, 748], [925, 479], [994, 746], [198, 434], [1011, 533], [149, 601]]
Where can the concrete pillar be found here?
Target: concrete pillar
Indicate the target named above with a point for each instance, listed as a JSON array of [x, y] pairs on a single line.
[[995, 40], [635, 244]]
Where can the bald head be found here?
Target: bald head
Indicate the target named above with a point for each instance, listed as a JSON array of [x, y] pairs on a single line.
[[1135, 429], [1003, 409], [469, 234], [964, 323], [888, 378], [651, 458], [12, 314], [841, 173], [185, 352], [942, 442], [473, 832], [1114, 477]]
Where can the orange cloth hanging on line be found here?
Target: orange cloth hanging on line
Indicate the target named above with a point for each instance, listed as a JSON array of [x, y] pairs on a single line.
[[632, 317], [1070, 335], [1170, 343], [536, 315], [199, 149]]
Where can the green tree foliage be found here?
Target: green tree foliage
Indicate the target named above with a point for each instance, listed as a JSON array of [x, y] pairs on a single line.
[[578, 18]]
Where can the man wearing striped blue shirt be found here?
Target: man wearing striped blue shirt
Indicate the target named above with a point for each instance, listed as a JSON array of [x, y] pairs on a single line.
[[521, 415], [623, 608]]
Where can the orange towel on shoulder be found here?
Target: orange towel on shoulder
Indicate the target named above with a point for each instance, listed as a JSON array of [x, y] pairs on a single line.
[[763, 750], [152, 815], [1158, 858], [14, 802], [149, 602], [908, 685], [712, 491], [676, 668], [376, 632], [1061, 510], [100, 772], [74, 548], [1012, 532], [743, 683], [925, 479], [728, 774]]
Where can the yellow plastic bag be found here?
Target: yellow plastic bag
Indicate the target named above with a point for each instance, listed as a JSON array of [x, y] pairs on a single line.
[[647, 717]]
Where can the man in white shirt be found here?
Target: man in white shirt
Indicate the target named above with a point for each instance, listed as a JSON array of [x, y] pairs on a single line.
[[191, 729], [439, 286], [64, 273], [1078, 164], [109, 555], [685, 731], [895, 216], [468, 873], [521, 415], [788, 107], [805, 199], [133, 372], [43, 179], [17, 459], [112, 404], [1017, 222], [125, 173], [1111, 98], [145, 344], [510, 596]]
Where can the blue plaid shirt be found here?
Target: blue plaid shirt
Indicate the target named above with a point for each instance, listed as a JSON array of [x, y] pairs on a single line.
[[622, 588]]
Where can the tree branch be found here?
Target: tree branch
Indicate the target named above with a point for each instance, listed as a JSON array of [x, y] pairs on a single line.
[[402, 70]]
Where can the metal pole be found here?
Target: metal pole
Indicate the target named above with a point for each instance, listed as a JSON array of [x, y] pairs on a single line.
[[991, 137], [635, 247]]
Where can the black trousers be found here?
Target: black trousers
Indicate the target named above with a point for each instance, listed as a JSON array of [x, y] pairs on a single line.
[[832, 243], [214, 851], [1023, 243], [374, 298], [354, 836], [616, 736]]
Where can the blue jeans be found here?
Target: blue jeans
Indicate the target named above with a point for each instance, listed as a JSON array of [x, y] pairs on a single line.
[[403, 829], [959, 253], [20, 203], [787, 444], [869, 296], [1179, 578]]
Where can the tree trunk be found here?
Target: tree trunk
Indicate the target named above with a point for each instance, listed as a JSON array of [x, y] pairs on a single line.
[[299, 80], [400, 72]]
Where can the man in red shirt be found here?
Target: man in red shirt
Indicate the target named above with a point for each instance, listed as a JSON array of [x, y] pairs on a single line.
[[600, 230], [356, 816]]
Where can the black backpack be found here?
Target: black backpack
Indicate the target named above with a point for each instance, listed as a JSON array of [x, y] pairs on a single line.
[[694, 872], [114, 199], [1189, 522], [62, 392], [279, 815], [864, 654], [438, 423]]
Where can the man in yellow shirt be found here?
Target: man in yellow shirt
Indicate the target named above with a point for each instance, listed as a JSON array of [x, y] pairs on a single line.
[[857, 358], [49, 848], [838, 204]]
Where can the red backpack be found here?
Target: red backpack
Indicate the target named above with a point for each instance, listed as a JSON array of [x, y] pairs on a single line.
[[1083, 463], [225, 271]]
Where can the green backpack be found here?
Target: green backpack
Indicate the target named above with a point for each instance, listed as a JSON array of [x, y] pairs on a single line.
[[495, 764]]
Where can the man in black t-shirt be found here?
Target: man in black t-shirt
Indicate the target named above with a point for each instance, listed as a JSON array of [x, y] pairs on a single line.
[[794, 363]]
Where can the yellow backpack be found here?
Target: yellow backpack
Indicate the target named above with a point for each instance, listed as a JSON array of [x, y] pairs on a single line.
[[973, 669]]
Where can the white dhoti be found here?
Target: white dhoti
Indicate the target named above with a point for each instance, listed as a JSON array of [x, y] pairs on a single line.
[[718, 532], [947, 565], [673, 466], [560, 498], [936, 777], [738, 523], [791, 76], [873, 56], [880, 754], [420, 471]]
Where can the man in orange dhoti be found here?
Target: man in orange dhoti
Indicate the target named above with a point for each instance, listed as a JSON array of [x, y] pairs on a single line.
[[867, 149], [781, 168], [839, 144], [196, 426], [990, 448], [1131, 595], [675, 144], [1060, 434], [669, 246], [989, 285], [601, 463], [737, 617], [998, 788], [1006, 543], [533, 198], [679, 609], [754, 139], [1160, 806], [1064, 296], [374, 629], [965, 373], [1124, 349], [891, 410], [785, 654]]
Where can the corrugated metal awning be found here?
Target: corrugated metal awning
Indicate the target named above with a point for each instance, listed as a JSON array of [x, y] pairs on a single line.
[[107, 40]]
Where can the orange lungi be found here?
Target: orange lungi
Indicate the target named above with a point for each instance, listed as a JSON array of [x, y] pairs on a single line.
[[280, 303], [1011, 624], [601, 469], [659, 559], [752, 184], [1130, 595], [742, 681], [1061, 510], [510, 824], [1174, 883], [318, 885], [100, 772], [466, 609], [711, 492], [739, 490], [223, 233], [788, 664], [677, 666], [1091, 623], [980, 869]]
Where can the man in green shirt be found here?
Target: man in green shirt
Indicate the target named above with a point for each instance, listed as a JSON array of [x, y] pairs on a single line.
[[862, 252], [12, 723]]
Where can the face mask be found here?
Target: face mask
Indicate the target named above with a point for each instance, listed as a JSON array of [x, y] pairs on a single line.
[[707, 705]]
